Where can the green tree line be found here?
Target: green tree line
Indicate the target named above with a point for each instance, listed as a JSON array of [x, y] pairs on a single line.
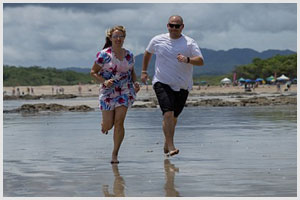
[[35, 76], [259, 68], [263, 68]]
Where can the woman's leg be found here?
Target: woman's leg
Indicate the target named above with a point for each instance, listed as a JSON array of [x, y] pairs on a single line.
[[120, 114], [107, 120]]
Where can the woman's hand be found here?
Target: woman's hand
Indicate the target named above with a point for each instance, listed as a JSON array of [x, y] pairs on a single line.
[[136, 87], [109, 82]]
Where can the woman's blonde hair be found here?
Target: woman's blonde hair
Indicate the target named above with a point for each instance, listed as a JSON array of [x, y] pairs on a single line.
[[109, 33]]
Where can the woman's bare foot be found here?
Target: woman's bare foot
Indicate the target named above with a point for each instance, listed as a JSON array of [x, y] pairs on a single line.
[[104, 132], [114, 160]]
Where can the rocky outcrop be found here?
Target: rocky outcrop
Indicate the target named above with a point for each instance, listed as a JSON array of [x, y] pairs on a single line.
[[35, 97], [33, 108], [237, 101]]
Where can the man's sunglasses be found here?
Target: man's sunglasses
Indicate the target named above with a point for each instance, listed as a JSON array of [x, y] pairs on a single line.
[[177, 26]]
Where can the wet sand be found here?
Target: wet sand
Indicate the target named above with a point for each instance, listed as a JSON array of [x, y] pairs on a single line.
[[230, 152]]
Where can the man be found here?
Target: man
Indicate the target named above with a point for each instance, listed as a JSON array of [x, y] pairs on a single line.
[[176, 54]]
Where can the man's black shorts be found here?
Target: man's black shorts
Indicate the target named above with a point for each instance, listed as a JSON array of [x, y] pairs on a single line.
[[170, 100]]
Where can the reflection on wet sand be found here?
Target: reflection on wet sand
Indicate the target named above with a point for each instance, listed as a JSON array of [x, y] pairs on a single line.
[[119, 184], [170, 170]]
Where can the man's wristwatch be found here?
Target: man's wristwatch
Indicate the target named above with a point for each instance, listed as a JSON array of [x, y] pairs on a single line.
[[187, 59]]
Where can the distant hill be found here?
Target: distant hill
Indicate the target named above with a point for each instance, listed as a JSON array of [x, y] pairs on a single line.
[[216, 62], [220, 62]]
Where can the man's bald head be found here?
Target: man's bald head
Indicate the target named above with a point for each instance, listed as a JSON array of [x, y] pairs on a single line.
[[177, 18]]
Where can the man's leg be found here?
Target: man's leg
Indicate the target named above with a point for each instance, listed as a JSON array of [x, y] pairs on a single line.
[[166, 148], [180, 99], [166, 98]]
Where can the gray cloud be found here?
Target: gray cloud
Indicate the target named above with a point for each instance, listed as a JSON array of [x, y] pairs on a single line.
[[65, 35]]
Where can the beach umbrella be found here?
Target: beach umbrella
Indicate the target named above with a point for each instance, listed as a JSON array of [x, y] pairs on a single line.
[[259, 80], [203, 82], [270, 78], [249, 81], [225, 81], [241, 80], [283, 78]]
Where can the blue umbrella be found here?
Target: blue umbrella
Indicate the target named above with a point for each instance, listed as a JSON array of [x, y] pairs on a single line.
[[259, 80], [249, 81]]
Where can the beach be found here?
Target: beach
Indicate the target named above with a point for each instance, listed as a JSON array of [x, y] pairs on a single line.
[[234, 143], [93, 90]]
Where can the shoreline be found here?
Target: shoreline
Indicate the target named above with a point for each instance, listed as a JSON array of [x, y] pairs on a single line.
[[214, 96], [91, 90]]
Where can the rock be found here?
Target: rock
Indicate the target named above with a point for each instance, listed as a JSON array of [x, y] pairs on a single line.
[[33, 97], [33, 108], [150, 104]]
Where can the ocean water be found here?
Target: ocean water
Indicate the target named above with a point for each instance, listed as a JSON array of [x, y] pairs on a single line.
[[224, 151]]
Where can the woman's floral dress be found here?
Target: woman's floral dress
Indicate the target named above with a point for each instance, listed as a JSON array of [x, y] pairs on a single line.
[[121, 93]]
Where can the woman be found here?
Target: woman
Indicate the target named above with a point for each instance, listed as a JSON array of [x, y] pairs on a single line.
[[114, 69]]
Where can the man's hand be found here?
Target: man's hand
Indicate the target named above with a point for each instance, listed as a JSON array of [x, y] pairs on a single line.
[[136, 87], [144, 77], [181, 58]]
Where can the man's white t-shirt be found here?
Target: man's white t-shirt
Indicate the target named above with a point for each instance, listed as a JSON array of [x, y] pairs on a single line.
[[168, 69]]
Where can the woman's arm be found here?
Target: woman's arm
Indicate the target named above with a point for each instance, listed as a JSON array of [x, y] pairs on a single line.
[[95, 73], [134, 80]]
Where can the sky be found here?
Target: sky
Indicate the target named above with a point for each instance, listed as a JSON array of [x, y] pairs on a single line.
[[65, 35]]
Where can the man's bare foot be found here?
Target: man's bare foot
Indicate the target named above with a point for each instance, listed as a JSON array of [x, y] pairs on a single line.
[[166, 150], [174, 152]]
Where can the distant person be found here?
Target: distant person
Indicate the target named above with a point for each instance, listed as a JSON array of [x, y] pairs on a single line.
[[114, 69], [52, 90], [32, 91], [13, 91], [288, 85], [57, 90], [18, 92], [79, 89], [176, 54], [278, 86]]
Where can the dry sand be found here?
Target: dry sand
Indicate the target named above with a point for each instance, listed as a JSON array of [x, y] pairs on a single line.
[[93, 90]]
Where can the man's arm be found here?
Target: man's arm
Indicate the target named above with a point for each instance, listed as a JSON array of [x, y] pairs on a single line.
[[196, 60], [146, 60]]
